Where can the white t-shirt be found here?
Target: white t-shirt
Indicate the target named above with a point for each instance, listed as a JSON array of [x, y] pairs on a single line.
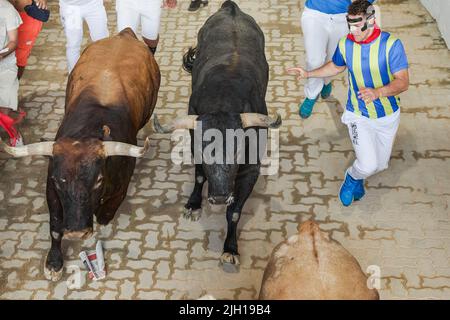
[[9, 20]]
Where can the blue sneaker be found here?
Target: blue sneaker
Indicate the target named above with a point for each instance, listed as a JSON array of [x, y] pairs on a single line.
[[306, 107], [359, 191], [349, 189], [326, 91]]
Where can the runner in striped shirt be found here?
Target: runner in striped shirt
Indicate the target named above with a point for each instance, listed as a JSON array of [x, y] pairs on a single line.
[[377, 74], [323, 24]]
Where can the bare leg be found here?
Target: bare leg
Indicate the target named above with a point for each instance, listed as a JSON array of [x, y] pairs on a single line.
[[152, 44], [20, 71], [5, 111]]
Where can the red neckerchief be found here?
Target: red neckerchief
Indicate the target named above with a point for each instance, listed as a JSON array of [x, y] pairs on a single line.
[[375, 34]]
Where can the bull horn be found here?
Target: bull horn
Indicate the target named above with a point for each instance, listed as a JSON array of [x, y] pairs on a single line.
[[114, 148], [34, 149], [186, 122], [260, 120]]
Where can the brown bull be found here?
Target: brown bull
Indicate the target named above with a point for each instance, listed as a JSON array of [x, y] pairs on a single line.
[[110, 96], [311, 266]]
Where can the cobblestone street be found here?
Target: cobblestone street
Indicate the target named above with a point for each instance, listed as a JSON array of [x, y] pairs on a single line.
[[151, 252]]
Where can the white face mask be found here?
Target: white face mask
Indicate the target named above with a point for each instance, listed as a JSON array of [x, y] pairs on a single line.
[[369, 15], [354, 29], [361, 28]]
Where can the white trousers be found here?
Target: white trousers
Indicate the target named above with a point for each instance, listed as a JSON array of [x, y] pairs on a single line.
[[372, 141], [9, 87], [321, 33], [146, 13], [72, 19]]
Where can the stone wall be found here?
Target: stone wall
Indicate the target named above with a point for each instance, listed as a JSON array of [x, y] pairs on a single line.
[[440, 10]]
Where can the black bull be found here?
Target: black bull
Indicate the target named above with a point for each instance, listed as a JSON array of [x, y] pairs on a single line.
[[229, 82], [110, 96]]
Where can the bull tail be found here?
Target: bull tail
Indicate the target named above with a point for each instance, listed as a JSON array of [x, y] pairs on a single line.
[[189, 58]]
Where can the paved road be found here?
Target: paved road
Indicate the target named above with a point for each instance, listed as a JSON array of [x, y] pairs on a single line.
[[402, 226]]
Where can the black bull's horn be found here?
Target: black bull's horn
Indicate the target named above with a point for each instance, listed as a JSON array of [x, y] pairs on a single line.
[[189, 122], [111, 148]]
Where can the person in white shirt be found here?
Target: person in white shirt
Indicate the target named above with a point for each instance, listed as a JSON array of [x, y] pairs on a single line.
[[73, 13], [9, 85], [147, 13]]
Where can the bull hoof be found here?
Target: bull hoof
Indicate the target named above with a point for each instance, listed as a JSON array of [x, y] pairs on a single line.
[[53, 266], [193, 215], [51, 273], [230, 263]]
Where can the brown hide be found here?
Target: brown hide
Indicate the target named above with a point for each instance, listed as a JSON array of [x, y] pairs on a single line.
[[112, 70], [310, 266]]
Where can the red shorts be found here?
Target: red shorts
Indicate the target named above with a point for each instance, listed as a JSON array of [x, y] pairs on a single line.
[[28, 32]]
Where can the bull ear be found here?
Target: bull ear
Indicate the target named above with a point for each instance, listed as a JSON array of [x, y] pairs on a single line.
[[106, 133]]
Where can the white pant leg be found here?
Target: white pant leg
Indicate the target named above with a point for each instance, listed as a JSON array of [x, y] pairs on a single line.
[[95, 15], [338, 29], [9, 86], [363, 138], [386, 131], [151, 19], [128, 15], [315, 34], [72, 21]]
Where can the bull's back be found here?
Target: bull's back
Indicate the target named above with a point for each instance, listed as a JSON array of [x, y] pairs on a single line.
[[231, 50], [229, 35], [116, 71], [311, 266]]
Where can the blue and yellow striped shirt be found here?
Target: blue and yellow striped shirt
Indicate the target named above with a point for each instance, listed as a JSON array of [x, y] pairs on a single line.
[[371, 65]]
